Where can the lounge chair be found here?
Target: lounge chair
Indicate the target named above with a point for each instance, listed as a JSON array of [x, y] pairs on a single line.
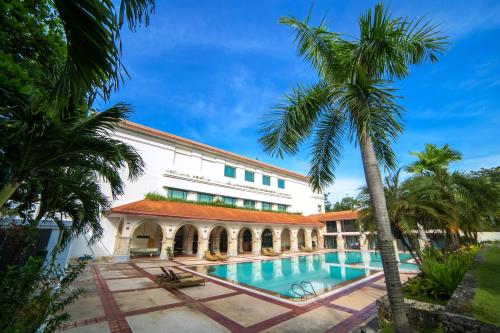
[[220, 256], [169, 275], [185, 282], [210, 257]]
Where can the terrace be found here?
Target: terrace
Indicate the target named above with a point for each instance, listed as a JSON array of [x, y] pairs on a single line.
[[123, 297]]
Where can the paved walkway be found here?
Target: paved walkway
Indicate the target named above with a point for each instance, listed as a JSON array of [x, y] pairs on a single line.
[[123, 297]]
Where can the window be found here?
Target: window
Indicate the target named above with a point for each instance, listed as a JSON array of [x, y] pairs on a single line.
[[349, 226], [229, 171], [331, 226], [320, 208], [266, 180], [229, 201], [249, 204], [267, 206], [249, 176], [177, 194], [281, 183], [281, 208], [206, 198]]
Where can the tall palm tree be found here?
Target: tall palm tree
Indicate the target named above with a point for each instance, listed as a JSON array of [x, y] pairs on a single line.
[[353, 99], [469, 197], [412, 204]]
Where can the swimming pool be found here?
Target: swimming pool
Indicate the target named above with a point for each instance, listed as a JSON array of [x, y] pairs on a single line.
[[324, 271]]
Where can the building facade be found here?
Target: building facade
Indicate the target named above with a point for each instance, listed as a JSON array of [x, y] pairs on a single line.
[[260, 197]]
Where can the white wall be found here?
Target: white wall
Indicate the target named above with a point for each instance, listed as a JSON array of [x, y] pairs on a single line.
[[174, 165], [488, 236]]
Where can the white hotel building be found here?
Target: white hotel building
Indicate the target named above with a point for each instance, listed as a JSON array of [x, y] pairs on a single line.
[[263, 205]]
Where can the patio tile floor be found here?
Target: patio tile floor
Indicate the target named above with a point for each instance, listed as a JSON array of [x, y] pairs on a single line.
[[123, 298], [135, 300], [246, 310]]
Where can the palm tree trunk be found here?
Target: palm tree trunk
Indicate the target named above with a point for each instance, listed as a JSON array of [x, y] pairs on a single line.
[[384, 236], [7, 191]]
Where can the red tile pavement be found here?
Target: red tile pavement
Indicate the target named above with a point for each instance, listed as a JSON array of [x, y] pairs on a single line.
[[118, 323], [116, 320]]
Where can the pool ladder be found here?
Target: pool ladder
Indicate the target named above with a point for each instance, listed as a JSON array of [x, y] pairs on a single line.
[[300, 290]]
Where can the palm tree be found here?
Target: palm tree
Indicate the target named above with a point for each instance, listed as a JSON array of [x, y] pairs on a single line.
[[433, 159], [51, 146], [469, 197], [413, 204], [353, 99], [92, 30]]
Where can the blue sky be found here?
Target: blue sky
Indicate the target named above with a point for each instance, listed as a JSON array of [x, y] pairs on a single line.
[[209, 71]]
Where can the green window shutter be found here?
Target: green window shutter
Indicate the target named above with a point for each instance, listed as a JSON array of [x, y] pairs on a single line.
[[229, 171], [206, 198], [177, 194], [229, 201], [267, 206], [249, 204], [281, 208], [281, 183], [249, 176], [266, 180]]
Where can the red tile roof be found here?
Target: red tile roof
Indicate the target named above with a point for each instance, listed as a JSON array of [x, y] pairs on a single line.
[[335, 216], [128, 125], [204, 212]]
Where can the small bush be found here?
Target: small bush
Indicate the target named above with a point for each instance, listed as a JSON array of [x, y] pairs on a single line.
[[440, 273]]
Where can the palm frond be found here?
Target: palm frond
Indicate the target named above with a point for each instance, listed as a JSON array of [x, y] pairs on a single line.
[[324, 50], [326, 149], [134, 12], [290, 123]]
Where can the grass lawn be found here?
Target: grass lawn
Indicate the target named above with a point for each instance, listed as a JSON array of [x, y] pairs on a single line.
[[486, 305]]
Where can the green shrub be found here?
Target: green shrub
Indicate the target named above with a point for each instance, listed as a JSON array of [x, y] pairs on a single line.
[[440, 273]]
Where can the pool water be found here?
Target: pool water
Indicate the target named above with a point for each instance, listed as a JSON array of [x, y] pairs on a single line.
[[325, 271]]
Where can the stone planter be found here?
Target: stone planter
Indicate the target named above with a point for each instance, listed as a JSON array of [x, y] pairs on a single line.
[[423, 317]]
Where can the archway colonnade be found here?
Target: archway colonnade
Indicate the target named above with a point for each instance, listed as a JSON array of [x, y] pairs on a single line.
[[161, 235]]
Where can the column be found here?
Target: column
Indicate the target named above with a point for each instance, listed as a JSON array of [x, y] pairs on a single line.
[[339, 226], [202, 247], [231, 247], [166, 243], [122, 252], [340, 243], [294, 242], [277, 241], [321, 241], [308, 238], [256, 243], [363, 242]]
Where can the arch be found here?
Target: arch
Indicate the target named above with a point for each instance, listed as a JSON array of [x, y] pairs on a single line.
[[267, 238], [218, 239], [315, 238], [245, 240], [286, 239], [146, 239], [186, 238], [301, 238]]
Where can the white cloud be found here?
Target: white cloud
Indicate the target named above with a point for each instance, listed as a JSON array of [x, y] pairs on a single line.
[[345, 186], [479, 162]]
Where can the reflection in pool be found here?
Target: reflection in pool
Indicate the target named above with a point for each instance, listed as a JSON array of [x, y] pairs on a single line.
[[325, 271]]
